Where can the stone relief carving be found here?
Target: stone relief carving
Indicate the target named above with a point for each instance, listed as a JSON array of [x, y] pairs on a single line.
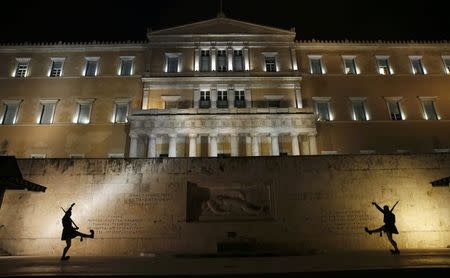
[[233, 203]]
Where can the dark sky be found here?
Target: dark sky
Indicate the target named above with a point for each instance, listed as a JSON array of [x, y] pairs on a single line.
[[40, 21]]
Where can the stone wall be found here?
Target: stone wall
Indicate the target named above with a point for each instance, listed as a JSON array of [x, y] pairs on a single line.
[[190, 205]]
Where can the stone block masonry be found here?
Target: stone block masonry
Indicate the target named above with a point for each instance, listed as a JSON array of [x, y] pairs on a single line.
[[193, 205]]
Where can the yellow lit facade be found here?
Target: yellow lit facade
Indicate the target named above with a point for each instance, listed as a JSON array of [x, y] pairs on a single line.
[[223, 87]]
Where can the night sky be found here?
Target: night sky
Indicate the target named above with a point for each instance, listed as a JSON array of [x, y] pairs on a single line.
[[128, 20]]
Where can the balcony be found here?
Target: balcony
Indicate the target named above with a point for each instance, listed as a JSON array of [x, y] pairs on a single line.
[[222, 104], [204, 104]]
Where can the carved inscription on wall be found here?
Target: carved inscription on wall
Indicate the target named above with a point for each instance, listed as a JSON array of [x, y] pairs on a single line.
[[116, 226], [345, 220], [145, 199]]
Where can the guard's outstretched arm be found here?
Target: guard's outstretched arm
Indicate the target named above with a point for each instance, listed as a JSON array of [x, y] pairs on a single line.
[[378, 207]]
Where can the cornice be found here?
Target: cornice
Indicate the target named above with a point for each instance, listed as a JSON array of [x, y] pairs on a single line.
[[72, 46]]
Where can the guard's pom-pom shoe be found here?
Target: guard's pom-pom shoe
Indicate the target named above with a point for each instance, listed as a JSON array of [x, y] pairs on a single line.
[[92, 233], [367, 230]]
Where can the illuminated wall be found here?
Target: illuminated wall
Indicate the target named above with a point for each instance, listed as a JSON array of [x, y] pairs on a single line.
[[299, 204]]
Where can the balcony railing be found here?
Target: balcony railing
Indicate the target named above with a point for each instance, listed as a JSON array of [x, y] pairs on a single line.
[[222, 104], [204, 104]]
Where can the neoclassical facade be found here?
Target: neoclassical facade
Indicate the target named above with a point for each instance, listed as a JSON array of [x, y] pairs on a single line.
[[223, 87]]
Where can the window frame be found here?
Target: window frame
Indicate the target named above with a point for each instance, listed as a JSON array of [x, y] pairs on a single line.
[[4, 110], [121, 65], [56, 60], [398, 100], [362, 100], [117, 102], [355, 64], [44, 102], [86, 63], [326, 100], [378, 58], [446, 66], [311, 68], [81, 102], [20, 61], [424, 111], [413, 69], [273, 55], [170, 55], [209, 67]]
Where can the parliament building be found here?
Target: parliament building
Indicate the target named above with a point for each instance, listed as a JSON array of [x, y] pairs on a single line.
[[223, 87]]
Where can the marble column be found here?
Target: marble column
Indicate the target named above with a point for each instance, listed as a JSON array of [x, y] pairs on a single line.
[[312, 144], [197, 59], [213, 145], [255, 145], [230, 58], [192, 145], [213, 97], [275, 146], [230, 97], [294, 141], [246, 59], [213, 52], [196, 97], [305, 146], [151, 145], [172, 145], [133, 145], [234, 144]]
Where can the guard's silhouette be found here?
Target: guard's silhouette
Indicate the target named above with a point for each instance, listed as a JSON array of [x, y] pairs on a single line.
[[389, 226], [70, 232]]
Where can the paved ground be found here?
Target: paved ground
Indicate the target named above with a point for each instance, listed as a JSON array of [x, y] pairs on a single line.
[[355, 264]]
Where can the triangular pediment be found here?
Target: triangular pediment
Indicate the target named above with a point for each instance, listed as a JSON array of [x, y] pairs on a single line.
[[221, 26]]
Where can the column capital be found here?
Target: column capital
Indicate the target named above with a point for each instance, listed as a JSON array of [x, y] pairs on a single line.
[[234, 134], [312, 134], [274, 134], [193, 135], [134, 135], [213, 135], [254, 134], [173, 135], [294, 134], [151, 135]]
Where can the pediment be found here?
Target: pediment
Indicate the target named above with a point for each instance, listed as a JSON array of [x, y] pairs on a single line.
[[221, 26]]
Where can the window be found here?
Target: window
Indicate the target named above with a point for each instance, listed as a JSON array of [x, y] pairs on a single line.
[[394, 109], [446, 61], [47, 111], [84, 111], [205, 99], [315, 63], [205, 60], [359, 109], [271, 65], [383, 65], [121, 111], [238, 60], [57, 67], [222, 99], [22, 67], [239, 99], [350, 65], [173, 62], [367, 151], [91, 66], [76, 155], [323, 108], [38, 155], [115, 155], [429, 108], [10, 110], [126, 66], [221, 60], [416, 65]]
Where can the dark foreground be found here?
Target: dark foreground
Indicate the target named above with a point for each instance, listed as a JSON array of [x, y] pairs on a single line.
[[355, 264]]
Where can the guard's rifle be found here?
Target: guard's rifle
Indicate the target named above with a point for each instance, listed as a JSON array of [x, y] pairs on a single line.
[[76, 226]]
